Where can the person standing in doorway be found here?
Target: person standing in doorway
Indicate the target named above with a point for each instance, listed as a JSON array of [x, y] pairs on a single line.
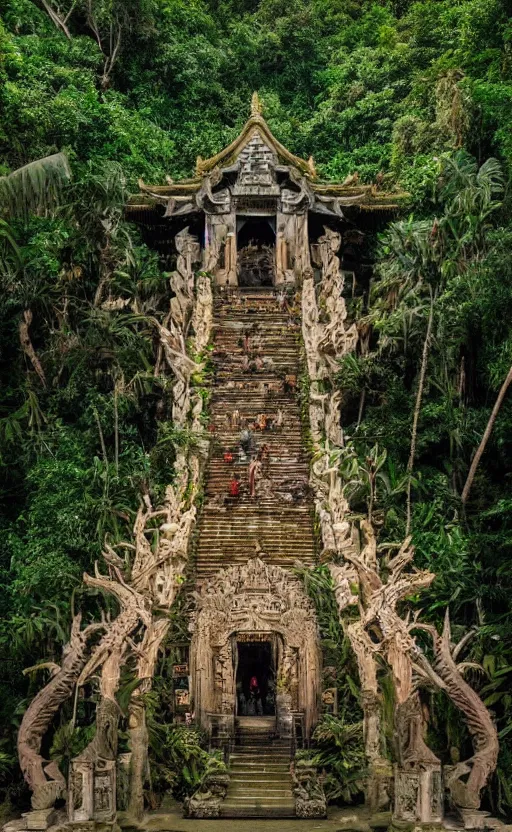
[[255, 693]]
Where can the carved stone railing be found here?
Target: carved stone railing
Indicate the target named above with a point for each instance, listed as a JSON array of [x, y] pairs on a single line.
[[144, 583], [327, 339], [350, 547]]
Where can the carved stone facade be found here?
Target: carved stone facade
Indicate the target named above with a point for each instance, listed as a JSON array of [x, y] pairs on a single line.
[[259, 599], [255, 177]]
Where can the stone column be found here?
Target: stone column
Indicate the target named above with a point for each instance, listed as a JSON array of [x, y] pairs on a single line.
[[231, 278], [281, 251]]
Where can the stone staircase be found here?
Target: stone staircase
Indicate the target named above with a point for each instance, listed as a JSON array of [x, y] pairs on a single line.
[[260, 782], [278, 526]]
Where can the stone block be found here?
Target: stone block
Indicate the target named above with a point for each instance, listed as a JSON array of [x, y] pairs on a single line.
[[16, 825], [40, 819]]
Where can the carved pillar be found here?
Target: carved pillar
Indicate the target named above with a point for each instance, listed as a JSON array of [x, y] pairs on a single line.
[[92, 791], [302, 260], [418, 779], [419, 794], [282, 264], [292, 247], [220, 250], [231, 259], [92, 775]]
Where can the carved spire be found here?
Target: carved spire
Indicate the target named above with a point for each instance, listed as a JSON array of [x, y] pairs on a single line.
[[256, 105]]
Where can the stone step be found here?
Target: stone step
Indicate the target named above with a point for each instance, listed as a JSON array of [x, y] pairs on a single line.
[[248, 772], [263, 757], [239, 809], [251, 742], [264, 778], [260, 793], [264, 798], [249, 724]]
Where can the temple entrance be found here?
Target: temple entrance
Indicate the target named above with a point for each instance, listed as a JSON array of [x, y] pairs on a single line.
[[256, 240], [255, 679]]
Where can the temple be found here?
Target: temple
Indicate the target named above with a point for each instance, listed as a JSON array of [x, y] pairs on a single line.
[[267, 270], [257, 209]]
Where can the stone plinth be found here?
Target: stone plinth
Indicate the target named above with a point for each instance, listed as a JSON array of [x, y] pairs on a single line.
[[419, 794], [92, 791]]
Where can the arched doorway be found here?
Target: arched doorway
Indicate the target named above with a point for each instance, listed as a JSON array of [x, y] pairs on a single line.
[[256, 242], [256, 674], [251, 604]]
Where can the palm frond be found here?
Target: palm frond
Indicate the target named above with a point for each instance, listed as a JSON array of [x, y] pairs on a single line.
[[36, 187]]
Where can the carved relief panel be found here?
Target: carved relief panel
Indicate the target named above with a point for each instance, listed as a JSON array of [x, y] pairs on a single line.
[[257, 169]]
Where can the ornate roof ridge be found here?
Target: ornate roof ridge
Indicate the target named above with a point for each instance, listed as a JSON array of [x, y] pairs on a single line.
[[256, 123]]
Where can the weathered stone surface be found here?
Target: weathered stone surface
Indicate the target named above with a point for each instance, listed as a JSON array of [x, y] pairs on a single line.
[[15, 825], [257, 597], [310, 801], [41, 819]]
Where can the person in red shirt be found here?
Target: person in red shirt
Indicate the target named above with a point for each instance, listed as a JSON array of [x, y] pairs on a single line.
[[234, 488], [255, 694]]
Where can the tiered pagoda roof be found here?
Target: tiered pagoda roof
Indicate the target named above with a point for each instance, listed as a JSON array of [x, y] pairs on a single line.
[[212, 175]]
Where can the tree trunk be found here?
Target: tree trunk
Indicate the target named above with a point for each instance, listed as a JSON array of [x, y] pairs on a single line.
[[417, 409], [485, 437], [27, 347], [42, 776], [139, 763]]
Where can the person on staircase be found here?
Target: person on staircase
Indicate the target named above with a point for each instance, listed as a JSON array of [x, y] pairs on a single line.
[[290, 383], [234, 490], [254, 474], [246, 439], [228, 456], [264, 457], [261, 421]]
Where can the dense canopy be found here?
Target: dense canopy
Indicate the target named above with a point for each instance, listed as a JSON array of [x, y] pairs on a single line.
[[97, 94]]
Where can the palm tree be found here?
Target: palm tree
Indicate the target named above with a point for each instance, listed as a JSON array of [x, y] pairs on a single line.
[[34, 188]]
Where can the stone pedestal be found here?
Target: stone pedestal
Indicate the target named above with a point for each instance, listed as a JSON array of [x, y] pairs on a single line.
[[310, 801], [206, 802], [419, 794], [379, 787], [92, 791]]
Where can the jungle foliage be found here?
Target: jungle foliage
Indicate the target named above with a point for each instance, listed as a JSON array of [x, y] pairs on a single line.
[[138, 88]]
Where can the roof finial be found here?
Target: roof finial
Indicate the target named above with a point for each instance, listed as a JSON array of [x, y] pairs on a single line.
[[256, 105]]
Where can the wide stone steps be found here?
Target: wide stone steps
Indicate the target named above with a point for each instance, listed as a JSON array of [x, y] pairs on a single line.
[[260, 781], [279, 530]]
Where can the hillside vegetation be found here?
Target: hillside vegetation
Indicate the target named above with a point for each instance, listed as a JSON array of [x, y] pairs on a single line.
[[421, 92]]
